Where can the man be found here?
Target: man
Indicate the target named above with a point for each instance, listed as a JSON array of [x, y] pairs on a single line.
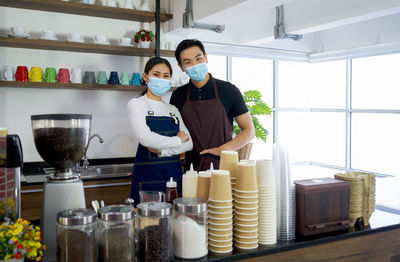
[[208, 107]]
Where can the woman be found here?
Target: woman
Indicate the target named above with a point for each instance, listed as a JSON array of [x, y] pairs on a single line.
[[160, 131]]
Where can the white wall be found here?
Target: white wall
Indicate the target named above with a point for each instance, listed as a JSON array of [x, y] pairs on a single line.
[[107, 107]]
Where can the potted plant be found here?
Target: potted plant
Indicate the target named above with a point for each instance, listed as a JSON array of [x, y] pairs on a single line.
[[144, 38], [257, 108], [20, 239]]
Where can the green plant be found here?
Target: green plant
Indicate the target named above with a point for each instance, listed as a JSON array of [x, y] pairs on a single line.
[[257, 108], [144, 35]]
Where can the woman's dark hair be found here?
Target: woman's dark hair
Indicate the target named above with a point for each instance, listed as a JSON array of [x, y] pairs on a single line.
[[185, 44], [156, 61], [153, 62]]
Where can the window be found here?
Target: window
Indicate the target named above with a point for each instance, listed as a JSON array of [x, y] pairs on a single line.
[[376, 82], [256, 74], [318, 85], [217, 66]]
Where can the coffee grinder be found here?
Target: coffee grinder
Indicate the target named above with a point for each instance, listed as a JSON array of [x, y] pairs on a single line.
[[61, 140]]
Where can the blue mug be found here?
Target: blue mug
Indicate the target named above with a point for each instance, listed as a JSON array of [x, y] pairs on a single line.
[[135, 79], [114, 79]]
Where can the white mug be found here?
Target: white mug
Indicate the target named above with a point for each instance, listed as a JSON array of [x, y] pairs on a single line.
[[125, 41], [74, 37], [111, 3], [17, 30], [8, 73], [100, 38], [76, 75], [47, 34]]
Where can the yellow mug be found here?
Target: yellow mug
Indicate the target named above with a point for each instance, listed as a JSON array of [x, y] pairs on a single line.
[[35, 75]]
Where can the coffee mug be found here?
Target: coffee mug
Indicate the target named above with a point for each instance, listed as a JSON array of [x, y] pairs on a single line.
[[63, 75], [8, 73], [74, 37], [102, 78], [135, 79], [100, 38], [124, 78], [76, 75], [17, 30], [88, 77], [47, 34], [35, 75], [21, 74], [113, 80], [50, 75], [125, 41]]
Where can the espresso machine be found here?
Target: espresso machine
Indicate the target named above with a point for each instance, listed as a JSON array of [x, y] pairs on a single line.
[[61, 140]]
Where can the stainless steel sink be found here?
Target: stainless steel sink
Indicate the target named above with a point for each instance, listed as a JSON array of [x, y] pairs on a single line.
[[107, 170]]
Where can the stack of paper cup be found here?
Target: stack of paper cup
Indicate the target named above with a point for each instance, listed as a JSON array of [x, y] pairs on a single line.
[[220, 220], [286, 201], [246, 206], [267, 210], [203, 184], [229, 161]]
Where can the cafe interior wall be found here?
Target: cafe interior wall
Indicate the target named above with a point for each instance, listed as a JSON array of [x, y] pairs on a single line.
[[107, 107]]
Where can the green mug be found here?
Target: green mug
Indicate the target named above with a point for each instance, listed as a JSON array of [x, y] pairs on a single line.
[[124, 78], [102, 78], [50, 75]]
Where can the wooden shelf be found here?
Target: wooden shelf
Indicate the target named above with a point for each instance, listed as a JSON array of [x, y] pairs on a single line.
[[81, 47], [59, 6], [44, 85]]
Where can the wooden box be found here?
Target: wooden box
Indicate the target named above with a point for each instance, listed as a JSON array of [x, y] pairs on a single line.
[[322, 205]]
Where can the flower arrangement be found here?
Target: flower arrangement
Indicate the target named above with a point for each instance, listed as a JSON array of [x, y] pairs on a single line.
[[144, 35], [19, 239], [7, 209]]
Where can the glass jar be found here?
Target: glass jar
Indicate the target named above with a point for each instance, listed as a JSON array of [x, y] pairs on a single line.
[[190, 228], [76, 239], [116, 233], [155, 232]]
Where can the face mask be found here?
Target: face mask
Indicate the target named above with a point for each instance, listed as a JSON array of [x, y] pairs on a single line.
[[159, 86], [197, 72]]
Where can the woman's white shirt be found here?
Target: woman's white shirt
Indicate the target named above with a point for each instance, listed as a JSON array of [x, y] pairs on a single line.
[[138, 109]]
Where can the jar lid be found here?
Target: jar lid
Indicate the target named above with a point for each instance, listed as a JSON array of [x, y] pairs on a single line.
[[76, 216], [154, 209], [116, 213], [61, 117], [190, 205]]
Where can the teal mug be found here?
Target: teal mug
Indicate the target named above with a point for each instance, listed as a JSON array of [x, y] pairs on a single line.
[[124, 78], [102, 78]]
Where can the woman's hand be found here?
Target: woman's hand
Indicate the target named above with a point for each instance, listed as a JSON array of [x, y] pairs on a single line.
[[183, 136]]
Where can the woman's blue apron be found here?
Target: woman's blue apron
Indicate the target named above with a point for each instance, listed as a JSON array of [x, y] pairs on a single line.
[[151, 172]]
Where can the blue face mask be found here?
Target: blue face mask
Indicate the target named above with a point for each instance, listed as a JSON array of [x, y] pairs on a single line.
[[159, 86], [197, 72]]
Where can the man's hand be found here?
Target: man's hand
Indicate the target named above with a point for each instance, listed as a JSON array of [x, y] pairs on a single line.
[[183, 136], [155, 151], [215, 151]]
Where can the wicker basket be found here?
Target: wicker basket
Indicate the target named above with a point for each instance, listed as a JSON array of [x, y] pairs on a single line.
[[362, 195], [245, 151]]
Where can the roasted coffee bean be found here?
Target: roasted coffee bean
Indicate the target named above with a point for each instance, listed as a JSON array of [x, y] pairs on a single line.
[[75, 245]]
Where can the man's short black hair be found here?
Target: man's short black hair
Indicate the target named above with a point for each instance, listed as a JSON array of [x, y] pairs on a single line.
[[185, 44]]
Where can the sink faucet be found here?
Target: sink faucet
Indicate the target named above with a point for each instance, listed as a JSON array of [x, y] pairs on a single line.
[[85, 159]]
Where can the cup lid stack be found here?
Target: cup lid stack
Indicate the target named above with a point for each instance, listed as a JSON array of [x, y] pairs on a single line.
[[220, 219], [267, 209], [246, 213]]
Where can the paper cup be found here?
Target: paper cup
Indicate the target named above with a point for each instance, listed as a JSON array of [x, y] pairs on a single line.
[[246, 245], [203, 184], [220, 250], [245, 195], [246, 210], [221, 232], [265, 175], [218, 237], [249, 222], [244, 227], [214, 242], [225, 226], [220, 185], [246, 205], [245, 192], [219, 221], [216, 203], [220, 209], [246, 239], [229, 161], [246, 177], [246, 233], [246, 201], [219, 214], [245, 217]]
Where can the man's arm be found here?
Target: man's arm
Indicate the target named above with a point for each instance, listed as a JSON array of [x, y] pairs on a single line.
[[245, 136]]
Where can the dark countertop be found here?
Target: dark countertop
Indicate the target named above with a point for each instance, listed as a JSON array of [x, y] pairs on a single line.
[[380, 221]]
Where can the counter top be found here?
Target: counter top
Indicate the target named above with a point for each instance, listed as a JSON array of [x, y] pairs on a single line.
[[380, 221]]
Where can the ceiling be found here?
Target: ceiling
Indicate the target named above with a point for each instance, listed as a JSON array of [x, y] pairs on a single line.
[[326, 26]]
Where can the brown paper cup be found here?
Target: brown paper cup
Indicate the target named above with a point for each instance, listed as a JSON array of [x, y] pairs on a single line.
[[247, 222], [245, 195], [246, 210], [214, 242], [225, 203], [220, 209], [245, 192], [218, 220], [220, 250], [224, 227], [203, 184], [246, 245], [244, 205], [221, 232], [229, 161], [244, 227], [246, 233], [246, 199], [220, 185], [219, 214], [245, 216], [246, 239], [221, 237], [246, 179]]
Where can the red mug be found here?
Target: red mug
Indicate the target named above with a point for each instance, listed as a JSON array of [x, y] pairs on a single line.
[[21, 74], [63, 75]]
